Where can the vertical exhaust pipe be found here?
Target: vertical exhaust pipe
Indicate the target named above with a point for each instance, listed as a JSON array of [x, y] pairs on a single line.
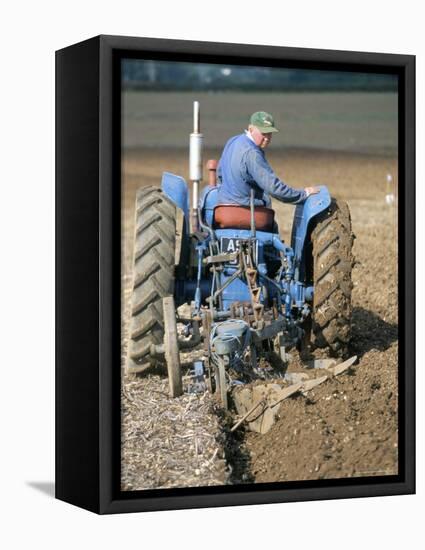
[[195, 163]]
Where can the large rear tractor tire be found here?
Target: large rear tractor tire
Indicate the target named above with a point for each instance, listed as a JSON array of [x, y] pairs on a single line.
[[154, 262], [332, 242]]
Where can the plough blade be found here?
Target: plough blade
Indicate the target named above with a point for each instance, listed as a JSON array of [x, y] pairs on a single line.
[[310, 384], [331, 364], [259, 405], [342, 367], [320, 363], [295, 377]]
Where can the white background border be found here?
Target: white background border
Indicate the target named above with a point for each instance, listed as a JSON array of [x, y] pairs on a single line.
[[30, 33]]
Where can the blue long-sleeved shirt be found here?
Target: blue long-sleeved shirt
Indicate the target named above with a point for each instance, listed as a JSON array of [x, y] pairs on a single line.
[[242, 167]]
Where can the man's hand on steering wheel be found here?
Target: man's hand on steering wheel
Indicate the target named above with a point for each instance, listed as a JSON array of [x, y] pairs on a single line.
[[311, 190]]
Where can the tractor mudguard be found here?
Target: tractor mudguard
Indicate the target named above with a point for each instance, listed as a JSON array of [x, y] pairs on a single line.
[[304, 213], [175, 187]]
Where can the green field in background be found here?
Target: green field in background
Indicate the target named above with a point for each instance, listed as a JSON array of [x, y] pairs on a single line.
[[355, 121]]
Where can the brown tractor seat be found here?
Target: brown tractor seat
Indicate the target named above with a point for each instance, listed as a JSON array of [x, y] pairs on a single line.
[[233, 216]]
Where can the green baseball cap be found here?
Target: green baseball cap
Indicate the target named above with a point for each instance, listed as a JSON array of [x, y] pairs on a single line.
[[263, 121]]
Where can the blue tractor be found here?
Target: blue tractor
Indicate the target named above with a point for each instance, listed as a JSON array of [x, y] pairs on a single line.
[[250, 294]]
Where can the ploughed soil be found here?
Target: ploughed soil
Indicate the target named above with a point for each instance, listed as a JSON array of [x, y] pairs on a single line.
[[347, 426]]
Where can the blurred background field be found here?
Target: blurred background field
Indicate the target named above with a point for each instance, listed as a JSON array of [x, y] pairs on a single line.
[[358, 122]]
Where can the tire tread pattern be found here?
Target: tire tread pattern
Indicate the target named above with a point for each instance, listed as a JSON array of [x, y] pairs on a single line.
[[332, 241], [154, 258]]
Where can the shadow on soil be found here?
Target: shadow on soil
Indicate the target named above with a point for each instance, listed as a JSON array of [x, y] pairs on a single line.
[[235, 453], [369, 331]]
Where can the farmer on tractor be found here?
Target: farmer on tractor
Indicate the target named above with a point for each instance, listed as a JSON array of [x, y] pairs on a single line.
[[247, 290], [243, 166]]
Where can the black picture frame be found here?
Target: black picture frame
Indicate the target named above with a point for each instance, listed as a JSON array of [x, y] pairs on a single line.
[[88, 274]]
